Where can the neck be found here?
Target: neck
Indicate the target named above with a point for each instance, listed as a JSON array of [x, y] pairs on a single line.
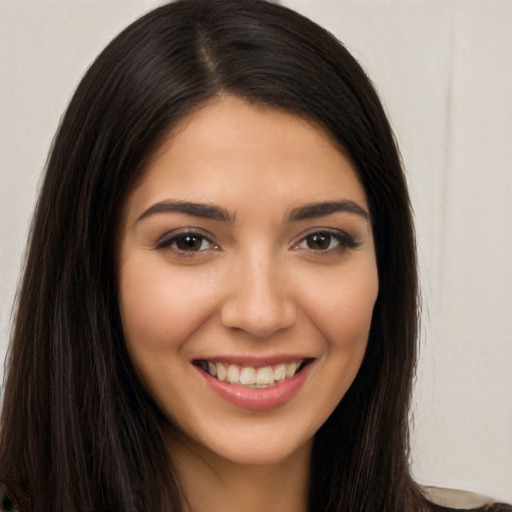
[[211, 483]]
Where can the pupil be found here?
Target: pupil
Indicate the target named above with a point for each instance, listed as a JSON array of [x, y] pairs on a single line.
[[188, 243], [319, 241]]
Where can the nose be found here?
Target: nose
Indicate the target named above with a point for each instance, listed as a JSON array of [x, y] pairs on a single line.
[[260, 301]]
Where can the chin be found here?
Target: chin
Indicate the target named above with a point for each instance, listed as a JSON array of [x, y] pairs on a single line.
[[265, 454]]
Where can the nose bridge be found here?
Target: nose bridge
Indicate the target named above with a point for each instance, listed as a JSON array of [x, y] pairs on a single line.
[[260, 300]]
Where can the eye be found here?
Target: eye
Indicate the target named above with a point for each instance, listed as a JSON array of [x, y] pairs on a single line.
[[326, 241], [186, 242]]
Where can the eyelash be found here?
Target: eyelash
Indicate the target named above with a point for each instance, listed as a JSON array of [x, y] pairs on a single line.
[[170, 241], [342, 241]]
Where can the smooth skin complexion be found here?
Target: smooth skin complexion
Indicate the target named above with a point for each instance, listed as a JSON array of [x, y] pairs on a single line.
[[246, 245]]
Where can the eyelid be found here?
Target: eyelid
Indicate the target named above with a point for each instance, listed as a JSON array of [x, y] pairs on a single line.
[[165, 241], [346, 241]]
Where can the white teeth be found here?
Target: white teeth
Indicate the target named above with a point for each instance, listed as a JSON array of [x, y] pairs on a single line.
[[265, 376], [233, 374], [249, 376], [280, 372], [291, 369], [221, 371]]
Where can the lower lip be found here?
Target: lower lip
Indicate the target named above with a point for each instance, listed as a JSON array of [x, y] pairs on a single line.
[[258, 399]]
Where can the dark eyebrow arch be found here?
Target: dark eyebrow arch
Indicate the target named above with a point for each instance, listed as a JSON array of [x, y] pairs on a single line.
[[311, 211], [204, 210]]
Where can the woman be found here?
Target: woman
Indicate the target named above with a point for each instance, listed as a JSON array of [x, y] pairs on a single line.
[[219, 306]]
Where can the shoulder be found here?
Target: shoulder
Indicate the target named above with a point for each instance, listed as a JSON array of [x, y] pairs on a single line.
[[445, 500], [6, 502]]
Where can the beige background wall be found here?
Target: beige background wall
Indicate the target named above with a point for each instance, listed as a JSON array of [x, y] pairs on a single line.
[[444, 71]]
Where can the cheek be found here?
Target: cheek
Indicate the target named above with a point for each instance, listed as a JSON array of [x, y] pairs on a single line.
[[345, 319], [353, 312], [160, 307], [342, 308]]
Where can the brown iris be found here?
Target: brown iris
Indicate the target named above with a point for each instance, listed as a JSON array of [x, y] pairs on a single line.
[[319, 241], [189, 243]]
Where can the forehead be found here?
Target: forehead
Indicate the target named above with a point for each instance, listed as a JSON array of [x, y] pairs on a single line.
[[229, 150]]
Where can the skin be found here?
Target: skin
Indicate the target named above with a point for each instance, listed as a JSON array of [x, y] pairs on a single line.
[[258, 284]]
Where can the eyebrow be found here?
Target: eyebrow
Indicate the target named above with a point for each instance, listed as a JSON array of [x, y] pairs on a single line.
[[215, 212], [204, 210], [311, 211]]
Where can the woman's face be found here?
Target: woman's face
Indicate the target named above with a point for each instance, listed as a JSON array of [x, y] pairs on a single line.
[[247, 280]]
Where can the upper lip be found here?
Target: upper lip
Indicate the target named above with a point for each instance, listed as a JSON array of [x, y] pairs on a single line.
[[256, 361]]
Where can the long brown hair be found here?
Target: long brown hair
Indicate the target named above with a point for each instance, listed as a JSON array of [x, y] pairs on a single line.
[[78, 431]]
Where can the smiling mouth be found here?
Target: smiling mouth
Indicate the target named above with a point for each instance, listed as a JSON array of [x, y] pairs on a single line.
[[250, 376]]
